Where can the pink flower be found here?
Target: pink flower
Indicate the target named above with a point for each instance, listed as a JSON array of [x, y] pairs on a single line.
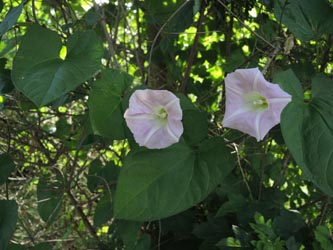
[[154, 117], [253, 105]]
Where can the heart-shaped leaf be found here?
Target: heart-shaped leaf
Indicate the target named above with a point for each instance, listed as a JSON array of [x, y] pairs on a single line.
[[39, 72], [308, 131], [307, 19], [154, 184]]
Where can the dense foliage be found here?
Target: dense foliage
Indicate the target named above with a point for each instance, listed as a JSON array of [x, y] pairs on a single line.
[[71, 173]]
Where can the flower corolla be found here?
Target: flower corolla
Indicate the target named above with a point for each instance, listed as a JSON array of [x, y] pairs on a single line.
[[253, 105], [155, 118]]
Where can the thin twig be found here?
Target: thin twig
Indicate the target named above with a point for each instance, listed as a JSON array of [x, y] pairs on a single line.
[[107, 35], [85, 220], [193, 49], [242, 172], [270, 59], [246, 26]]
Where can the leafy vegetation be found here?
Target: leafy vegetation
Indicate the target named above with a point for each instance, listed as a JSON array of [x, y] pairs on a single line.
[[72, 175]]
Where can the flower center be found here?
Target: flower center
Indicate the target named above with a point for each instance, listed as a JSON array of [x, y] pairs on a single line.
[[256, 101], [161, 115]]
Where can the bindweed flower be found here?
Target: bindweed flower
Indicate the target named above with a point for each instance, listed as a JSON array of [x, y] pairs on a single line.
[[253, 105], [154, 117]]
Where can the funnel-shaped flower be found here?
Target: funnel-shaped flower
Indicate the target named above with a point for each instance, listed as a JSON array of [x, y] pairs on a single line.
[[253, 105], [154, 117]]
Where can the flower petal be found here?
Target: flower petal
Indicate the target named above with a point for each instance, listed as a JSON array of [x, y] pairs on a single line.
[[144, 119], [258, 119], [243, 80], [246, 122]]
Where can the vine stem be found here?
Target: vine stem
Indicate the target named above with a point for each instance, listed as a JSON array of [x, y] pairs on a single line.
[[193, 49]]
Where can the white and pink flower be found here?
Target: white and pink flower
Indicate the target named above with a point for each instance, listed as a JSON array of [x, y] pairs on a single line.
[[253, 105], [155, 118]]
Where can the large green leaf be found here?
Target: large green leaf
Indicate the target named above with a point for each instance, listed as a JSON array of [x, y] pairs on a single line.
[[50, 194], [290, 83], [308, 132], [7, 166], [8, 218], [39, 72], [307, 19], [154, 184], [11, 18], [105, 110]]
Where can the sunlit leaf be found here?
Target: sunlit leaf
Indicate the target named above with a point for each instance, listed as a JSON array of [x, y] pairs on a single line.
[[39, 72], [11, 18]]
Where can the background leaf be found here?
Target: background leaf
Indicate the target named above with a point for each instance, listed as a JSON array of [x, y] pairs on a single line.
[[7, 166], [49, 195], [103, 211], [105, 110], [307, 19], [11, 18], [8, 218], [39, 72]]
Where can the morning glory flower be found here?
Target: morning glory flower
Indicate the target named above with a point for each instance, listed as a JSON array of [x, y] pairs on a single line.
[[253, 105], [154, 117]]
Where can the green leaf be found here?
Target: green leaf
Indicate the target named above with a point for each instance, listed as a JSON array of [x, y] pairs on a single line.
[[100, 175], [6, 84], [16, 247], [8, 218], [290, 83], [288, 223], [229, 243], [308, 132], [7, 166], [105, 110], [11, 18], [39, 72], [103, 211], [50, 194], [155, 184], [129, 231], [307, 19], [323, 236], [235, 203], [195, 126]]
